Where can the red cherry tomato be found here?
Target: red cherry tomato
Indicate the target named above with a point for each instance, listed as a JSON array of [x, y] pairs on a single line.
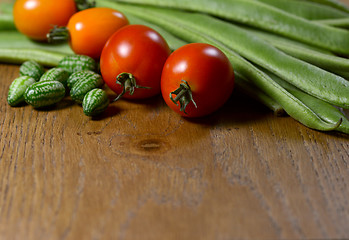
[[35, 18], [203, 74], [91, 28], [135, 55]]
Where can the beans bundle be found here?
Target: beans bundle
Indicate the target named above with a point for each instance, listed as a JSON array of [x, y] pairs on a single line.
[[267, 63]]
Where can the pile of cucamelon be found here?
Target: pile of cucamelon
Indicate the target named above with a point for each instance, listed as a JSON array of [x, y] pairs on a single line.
[[291, 55], [75, 74]]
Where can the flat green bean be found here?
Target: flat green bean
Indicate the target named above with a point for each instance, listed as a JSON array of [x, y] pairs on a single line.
[[332, 3], [16, 48], [325, 111], [6, 22], [338, 22], [265, 17], [308, 10], [14, 39], [322, 59], [20, 55], [292, 105]]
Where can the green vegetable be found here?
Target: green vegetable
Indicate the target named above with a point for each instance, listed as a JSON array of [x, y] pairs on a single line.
[[263, 16], [17, 48], [16, 40], [311, 55], [46, 93], [77, 76], [6, 22], [332, 3], [56, 74], [20, 55], [325, 111], [17, 90], [95, 102], [74, 63], [32, 69], [306, 9], [338, 22], [84, 85], [292, 105]]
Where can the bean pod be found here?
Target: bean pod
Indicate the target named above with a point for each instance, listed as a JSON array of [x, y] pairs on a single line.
[[17, 90], [45, 93], [32, 69], [95, 102], [74, 63]]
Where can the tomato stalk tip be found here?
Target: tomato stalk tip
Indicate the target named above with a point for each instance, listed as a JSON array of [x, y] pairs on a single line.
[[129, 84], [58, 34], [84, 4], [183, 95]]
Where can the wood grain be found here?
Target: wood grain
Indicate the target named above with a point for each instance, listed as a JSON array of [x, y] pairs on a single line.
[[141, 172]]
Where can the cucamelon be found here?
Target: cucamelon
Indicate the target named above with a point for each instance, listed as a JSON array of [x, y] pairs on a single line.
[[56, 74], [32, 69], [45, 93], [77, 76], [84, 85], [74, 63], [17, 89], [95, 102]]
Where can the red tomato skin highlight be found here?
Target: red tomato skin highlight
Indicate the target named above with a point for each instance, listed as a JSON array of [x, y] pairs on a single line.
[[208, 72], [35, 18], [91, 28], [138, 50]]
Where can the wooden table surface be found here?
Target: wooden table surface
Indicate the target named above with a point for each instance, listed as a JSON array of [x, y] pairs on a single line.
[[142, 172]]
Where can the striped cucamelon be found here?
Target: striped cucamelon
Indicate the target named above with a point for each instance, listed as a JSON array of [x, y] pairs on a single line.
[[95, 102], [77, 76], [32, 69], [56, 74], [46, 93], [74, 63], [17, 89], [84, 85]]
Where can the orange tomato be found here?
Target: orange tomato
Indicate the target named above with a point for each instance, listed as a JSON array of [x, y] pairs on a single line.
[[91, 28], [35, 18]]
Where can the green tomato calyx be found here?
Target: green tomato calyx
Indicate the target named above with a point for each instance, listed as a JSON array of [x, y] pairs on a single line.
[[84, 4], [58, 35], [129, 84], [183, 95]]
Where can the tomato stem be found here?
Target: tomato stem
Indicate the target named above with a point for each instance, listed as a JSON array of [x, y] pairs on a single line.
[[129, 83], [58, 34], [84, 4], [183, 95]]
